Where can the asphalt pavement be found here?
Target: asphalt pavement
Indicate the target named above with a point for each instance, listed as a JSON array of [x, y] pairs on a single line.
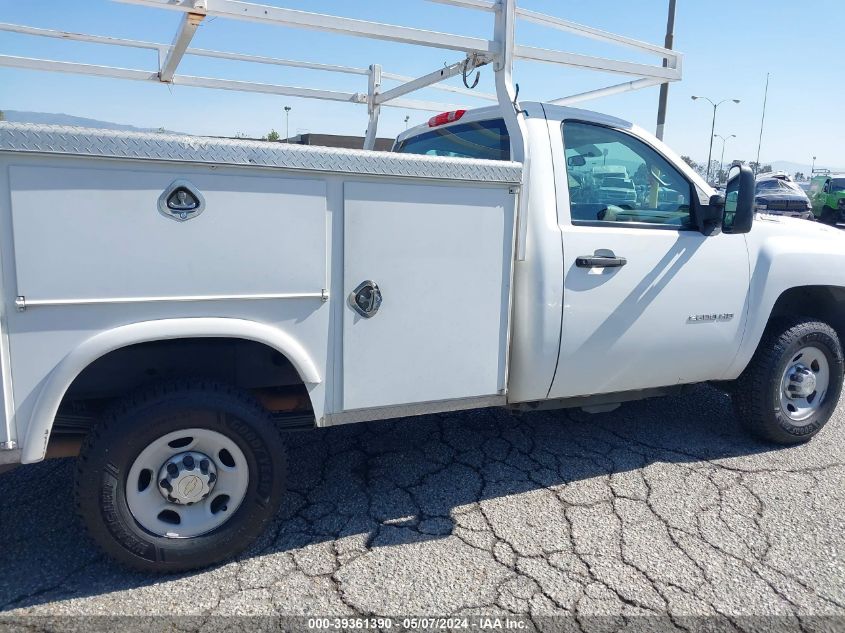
[[663, 507]]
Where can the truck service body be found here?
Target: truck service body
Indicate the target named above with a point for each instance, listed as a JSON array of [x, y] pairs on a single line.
[[162, 295]]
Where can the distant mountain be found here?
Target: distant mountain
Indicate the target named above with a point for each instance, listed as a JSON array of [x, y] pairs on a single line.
[[47, 118], [790, 167]]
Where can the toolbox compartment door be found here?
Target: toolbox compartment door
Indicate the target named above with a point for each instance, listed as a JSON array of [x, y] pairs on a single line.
[[95, 233], [441, 257]]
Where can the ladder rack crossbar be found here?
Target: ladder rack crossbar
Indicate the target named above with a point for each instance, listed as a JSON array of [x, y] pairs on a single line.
[[601, 64], [114, 72], [267, 14], [592, 33], [163, 49]]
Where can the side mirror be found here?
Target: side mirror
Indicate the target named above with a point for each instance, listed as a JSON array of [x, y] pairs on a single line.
[[739, 200], [576, 161]]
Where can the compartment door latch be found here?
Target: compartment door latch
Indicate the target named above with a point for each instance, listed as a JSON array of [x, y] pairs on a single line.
[[366, 299], [181, 201]]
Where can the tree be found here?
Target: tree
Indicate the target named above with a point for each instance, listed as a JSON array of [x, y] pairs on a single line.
[[715, 168], [760, 168], [689, 161], [799, 176], [272, 135], [641, 177], [2, 115]]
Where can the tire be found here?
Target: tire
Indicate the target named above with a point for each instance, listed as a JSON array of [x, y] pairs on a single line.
[[110, 476], [761, 391], [829, 216]]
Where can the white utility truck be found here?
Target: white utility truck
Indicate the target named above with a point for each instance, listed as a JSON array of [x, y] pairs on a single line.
[[168, 302]]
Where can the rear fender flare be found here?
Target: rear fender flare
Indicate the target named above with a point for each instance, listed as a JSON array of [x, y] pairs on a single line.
[[63, 375]]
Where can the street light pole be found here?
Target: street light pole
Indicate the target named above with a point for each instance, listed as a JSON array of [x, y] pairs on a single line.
[[712, 128], [722, 162], [813, 168], [664, 87], [762, 123], [287, 124]]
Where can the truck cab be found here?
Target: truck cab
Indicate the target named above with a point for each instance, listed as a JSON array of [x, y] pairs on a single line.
[[827, 195], [635, 272], [615, 300]]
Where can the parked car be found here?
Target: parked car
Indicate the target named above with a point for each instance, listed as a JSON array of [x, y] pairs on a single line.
[[618, 190], [827, 195], [777, 194]]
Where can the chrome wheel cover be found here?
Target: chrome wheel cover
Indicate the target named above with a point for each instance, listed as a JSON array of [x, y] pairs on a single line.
[[187, 483], [804, 384]]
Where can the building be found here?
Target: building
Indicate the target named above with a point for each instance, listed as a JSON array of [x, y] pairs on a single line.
[[337, 140]]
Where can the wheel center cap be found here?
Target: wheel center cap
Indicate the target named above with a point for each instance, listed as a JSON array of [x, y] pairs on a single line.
[[190, 487], [802, 383], [187, 478]]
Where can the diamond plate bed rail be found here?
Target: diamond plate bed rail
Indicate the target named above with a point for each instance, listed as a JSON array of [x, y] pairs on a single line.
[[77, 141]]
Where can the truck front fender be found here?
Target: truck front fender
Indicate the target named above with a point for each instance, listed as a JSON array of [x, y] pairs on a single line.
[[63, 375], [811, 257]]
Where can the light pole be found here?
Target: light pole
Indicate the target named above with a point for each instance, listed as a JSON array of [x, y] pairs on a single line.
[[664, 87], [287, 124], [724, 142], [713, 127], [762, 124], [407, 118], [813, 168]]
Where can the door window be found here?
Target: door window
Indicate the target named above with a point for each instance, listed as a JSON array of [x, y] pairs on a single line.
[[616, 178]]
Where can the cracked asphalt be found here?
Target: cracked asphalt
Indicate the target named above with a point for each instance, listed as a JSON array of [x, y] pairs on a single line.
[[661, 507]]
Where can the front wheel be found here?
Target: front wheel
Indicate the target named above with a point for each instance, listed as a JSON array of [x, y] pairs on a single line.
[[181, 476], [829, 216], [792, 385]]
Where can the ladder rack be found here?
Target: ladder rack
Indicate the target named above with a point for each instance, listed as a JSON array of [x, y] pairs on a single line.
[[500, 51]]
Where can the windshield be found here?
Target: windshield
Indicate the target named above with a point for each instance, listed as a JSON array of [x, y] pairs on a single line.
[[777, 184], [481, 139]]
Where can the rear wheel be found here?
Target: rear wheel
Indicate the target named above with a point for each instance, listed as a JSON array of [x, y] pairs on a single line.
[[791, 387], [181, 476]]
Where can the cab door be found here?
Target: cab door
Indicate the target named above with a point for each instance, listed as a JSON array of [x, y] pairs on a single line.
[[648, 300]]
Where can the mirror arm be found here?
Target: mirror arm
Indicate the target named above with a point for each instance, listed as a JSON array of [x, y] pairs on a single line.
[[711, 215]]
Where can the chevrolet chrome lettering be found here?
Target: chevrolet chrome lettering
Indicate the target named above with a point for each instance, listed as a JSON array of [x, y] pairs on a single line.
[[709, 318]]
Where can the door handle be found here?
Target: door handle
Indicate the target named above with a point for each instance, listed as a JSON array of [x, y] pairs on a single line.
[[598, 261]]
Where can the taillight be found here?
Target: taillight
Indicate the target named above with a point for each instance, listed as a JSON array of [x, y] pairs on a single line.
[[446, 117]]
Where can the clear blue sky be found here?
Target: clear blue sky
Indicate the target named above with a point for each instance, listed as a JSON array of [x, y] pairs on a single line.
[[729, 46]]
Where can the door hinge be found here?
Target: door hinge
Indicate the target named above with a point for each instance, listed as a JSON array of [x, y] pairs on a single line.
[[324, 295], [20, 303], [8, 446]]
